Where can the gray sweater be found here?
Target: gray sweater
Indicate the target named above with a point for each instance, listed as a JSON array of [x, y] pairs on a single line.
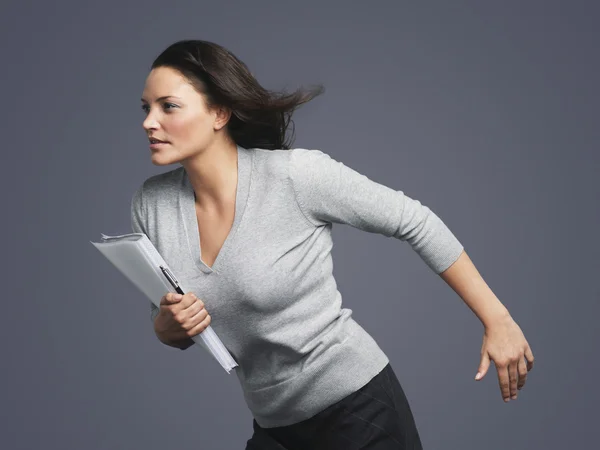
[[271, 293]]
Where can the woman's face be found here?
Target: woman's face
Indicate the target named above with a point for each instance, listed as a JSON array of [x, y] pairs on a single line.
[[181, 118]]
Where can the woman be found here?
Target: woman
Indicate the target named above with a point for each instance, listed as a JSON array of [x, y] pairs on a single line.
[[246, 222]]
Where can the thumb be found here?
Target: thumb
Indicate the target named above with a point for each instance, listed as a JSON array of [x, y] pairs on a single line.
[[171, 298], [483, 366]]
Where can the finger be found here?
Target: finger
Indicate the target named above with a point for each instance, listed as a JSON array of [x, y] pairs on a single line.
[[194, 309], [196, 319], [193, 301], [189, 298], [513, 376], [200, 327], [170, 298], [184, 310], [504, 381], [483, 366], [529, 356], [522, 369]]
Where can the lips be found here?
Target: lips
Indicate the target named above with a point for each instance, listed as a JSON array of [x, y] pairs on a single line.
[[156, 141]]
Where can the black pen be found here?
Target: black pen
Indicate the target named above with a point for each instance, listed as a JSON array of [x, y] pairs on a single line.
[[171, 279]]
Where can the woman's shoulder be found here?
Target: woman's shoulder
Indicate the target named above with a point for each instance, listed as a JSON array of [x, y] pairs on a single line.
[[281, 161], [162, 183]]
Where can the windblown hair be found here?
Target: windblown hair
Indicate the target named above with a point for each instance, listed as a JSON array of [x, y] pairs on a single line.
[[259, 118]]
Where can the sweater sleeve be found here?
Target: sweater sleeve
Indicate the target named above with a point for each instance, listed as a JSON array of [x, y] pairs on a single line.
[[328, 191], [138, 217]]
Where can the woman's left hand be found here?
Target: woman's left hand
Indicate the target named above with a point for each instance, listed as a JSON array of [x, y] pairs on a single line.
[[505, 344]]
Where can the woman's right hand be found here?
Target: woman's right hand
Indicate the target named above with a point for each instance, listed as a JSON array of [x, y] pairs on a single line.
[[180, 317]]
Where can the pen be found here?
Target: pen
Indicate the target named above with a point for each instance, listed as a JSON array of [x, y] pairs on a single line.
[[171, 279]]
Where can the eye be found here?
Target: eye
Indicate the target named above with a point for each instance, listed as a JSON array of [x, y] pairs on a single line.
[[145, 107]]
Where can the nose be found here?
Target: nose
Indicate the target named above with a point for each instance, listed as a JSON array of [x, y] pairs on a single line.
[[150, 122]]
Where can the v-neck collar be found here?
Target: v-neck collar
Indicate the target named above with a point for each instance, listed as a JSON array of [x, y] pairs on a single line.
[[187, 204]]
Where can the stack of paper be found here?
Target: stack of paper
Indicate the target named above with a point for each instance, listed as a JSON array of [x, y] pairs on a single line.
[[137, 258]]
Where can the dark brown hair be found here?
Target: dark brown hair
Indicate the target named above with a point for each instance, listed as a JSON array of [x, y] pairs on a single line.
[[260, 118]]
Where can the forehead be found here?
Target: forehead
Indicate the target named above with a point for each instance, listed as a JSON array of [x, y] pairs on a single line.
[[164, 81]]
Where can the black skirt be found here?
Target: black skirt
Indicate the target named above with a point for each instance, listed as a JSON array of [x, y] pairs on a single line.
[[376, 417]]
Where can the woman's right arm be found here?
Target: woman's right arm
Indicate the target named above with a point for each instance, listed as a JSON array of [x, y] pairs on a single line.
[[180, 317], [182, 344]]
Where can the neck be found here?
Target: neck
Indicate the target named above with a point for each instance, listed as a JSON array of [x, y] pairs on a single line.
[[213, 175]]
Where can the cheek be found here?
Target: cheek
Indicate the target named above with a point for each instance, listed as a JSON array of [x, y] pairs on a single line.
[[180, 128], [190, 130]]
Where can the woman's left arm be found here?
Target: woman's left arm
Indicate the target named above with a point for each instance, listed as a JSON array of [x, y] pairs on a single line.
[[503, 340], [328, 191]]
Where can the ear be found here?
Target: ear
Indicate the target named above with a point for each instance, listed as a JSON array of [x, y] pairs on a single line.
[[222, 117]]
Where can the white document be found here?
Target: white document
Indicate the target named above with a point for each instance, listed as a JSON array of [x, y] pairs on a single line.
[[137, 258]]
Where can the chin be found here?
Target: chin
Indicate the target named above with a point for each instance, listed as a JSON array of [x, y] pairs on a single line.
[[158, 160]]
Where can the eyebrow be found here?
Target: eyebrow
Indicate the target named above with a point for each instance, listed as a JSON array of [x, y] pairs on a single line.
[[161, 98]]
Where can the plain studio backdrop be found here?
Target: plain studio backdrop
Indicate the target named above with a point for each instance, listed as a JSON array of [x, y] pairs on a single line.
[[486, 112]]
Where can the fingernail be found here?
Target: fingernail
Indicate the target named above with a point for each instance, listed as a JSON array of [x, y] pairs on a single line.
[[178, 296], [507, 400], [514, 397]]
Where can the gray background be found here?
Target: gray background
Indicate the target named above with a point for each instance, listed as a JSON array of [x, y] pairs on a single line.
[[487, 112]]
